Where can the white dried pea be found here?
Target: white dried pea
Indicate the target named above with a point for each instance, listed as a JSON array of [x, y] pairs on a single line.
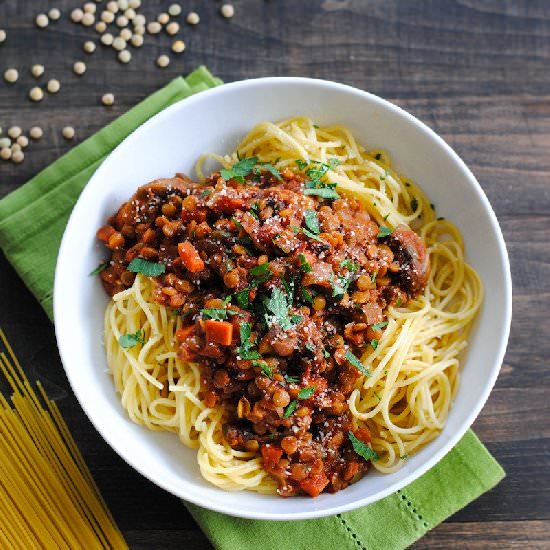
[[107, 16], [139, 20], [107, 39], [163, 18], [193, 18], [76, 15], [121, 21], [227, 10], [130, 14], [5, 153], [137, 40], [123, 4], [163, 61], [89, 46], [112, 6], [37, 70], [36, 132], [5, 142], [124, 56], [68, 132], [41, 20], [134, 4], [3, 36], [107, 99], [119, 43], [79, 67], [172, 28], [23, 141], [88, 19], [53, 86], [153, 27], [139, 29], [101, 27], [174, 10], [89, 7], [54, 14], [178, 46], [11, 75], [125, 34], [14, 132], [36, 94], [17, 156]]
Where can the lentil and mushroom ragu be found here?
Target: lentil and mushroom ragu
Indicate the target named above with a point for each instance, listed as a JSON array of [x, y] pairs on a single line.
[[279, 291]]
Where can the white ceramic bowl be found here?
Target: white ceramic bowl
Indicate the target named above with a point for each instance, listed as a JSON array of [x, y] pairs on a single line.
[[215, 121]]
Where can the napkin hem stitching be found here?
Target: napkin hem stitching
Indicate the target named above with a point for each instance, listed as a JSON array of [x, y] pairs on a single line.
[[412, 508], [351, 532]]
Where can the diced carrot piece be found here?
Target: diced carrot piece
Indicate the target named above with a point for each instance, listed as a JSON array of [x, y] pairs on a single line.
[[103, 233], [271, 455], [314, 485], [190, 257], [220, 332], [184, 332], [363, 434]]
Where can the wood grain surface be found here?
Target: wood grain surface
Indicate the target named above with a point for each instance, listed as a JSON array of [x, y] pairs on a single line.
[[476, 71]]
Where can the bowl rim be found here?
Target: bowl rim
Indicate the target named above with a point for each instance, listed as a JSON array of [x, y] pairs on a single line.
[[218, 504]]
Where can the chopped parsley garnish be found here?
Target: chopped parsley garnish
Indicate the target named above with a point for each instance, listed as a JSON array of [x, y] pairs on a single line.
[[266, 369], [386, 174], [333, 163], [414, 204], [362, 449], [341, 284], [205, 193], [317, 172], [277, 310], [323, 192], [304, 264], [306, 393], [290, 408], [272, 170], [130, 340], [398, 301], [218, 314], [312, 221], [302, 164], [242, 298], [255, 210], [240, 169], [99, 268], [384, 232], [311, 235], [378, 326], [373, 276], [306, 295], [315, 126], [259, 271], [150, 269], [378, 397], [326, 354], [310, 347], [404, 457], [245, 349], [356, 363], [350, 265], [374, 343], [292, 379], [386, 217]]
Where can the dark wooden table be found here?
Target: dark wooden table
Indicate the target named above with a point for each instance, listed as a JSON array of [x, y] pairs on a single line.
[[476, 71]]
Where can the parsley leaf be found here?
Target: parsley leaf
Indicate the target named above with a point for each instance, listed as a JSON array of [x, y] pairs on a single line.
[[218, 314], [272, 170], [373, 276], [356, 363], [292, 379], [350, 265], [150, 269], [290, 409], [99, 268], [323, 192], [260, 270], [266, 369], [240, 169], [242, 298], [278, 305], [374, 343], [130, 340], [333, 163], [384, 232], [304, 264], [244, 350], [305, 393], [398, 301], [362, 449], [302, 164], [414, 204], [379, 326], [306, 295], [311, 235], [312, 221]]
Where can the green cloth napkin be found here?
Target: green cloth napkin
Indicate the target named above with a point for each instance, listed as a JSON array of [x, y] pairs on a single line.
[[32, 220]]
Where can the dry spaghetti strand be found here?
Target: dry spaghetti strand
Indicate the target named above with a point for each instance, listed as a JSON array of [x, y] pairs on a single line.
[[48, 498]]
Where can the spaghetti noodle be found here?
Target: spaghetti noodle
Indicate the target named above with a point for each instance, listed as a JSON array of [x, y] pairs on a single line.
[[413, 370]]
